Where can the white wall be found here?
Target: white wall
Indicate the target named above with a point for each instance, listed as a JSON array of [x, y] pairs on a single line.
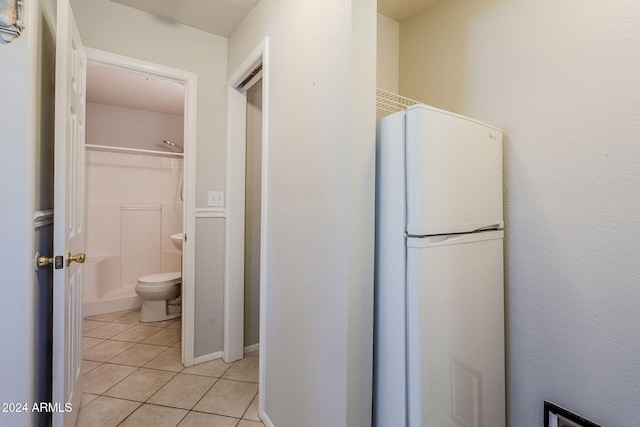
[[320, 203], [561, 78], [18, 144], [16, 216], [133, 206], [388, 54]]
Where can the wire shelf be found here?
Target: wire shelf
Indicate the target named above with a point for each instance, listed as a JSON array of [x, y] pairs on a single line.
[[389, 103]]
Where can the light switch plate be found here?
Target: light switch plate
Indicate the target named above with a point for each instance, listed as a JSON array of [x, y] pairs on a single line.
[[215, 199]]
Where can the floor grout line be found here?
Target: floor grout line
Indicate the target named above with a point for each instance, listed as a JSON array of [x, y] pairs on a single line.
[[137, 369]]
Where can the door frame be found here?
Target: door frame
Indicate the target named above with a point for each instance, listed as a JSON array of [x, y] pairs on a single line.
[[234, 225], [189, 80]]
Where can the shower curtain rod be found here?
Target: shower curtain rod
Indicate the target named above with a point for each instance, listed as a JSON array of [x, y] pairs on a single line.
[[113, 149]]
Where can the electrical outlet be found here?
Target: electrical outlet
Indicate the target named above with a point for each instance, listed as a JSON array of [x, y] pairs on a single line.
[[215, 199]]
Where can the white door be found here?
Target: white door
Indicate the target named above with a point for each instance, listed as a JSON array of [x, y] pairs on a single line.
[[455, 331], [68, 215]]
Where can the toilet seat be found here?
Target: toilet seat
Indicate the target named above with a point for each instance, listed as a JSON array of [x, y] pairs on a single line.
[[159, 279], [161, 286]]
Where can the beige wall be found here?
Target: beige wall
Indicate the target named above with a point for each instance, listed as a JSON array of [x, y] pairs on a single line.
[[320, 203], [561, 78], [132, 128], [388, 54]]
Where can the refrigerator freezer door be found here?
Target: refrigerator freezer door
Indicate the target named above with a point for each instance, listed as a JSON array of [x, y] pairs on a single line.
[[455, 327], [454, 173]]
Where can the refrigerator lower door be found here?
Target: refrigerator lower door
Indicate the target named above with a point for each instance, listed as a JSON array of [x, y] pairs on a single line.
[[455, 331]]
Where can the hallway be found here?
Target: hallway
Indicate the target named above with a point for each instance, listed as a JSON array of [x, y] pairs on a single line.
[[132, 376]]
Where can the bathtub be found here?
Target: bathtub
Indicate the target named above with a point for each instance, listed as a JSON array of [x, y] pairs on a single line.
[[101, 287]]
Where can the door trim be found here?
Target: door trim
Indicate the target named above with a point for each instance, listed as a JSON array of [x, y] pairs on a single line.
[[189, 80], [234, 225]]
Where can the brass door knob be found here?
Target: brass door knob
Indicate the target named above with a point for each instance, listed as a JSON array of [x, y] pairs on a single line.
[[79, 258], [43, 260]]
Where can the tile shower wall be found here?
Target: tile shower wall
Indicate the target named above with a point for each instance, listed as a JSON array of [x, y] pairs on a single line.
[[133, 206]]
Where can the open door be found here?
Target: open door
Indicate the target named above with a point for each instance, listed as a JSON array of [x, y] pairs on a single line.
[[68, 225]]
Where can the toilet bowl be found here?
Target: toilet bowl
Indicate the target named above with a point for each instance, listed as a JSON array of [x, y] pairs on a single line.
[[160, 294]]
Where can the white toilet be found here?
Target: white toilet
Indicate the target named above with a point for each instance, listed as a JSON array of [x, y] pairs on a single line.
[[160, 294]]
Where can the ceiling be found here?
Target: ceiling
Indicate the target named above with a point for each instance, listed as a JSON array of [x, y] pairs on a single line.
[[114, 86], [402, 9], [219, 17], [124, 88]]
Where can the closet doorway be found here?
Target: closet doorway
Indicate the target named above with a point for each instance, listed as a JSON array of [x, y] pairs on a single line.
[[247, 117], [252, 218]]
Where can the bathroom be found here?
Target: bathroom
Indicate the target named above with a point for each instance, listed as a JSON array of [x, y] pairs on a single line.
[[135, 198], [134, 184]]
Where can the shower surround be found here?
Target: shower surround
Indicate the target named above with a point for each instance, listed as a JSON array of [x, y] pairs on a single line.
[[133, 207]]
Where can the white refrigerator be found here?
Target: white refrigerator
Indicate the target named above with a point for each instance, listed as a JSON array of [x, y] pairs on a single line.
[[439, 292]]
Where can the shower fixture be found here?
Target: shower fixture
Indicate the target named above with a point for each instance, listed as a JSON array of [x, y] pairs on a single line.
[[173, 144], [181, 148]]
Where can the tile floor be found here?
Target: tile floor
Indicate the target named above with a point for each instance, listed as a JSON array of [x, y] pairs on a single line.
[[132, 376]]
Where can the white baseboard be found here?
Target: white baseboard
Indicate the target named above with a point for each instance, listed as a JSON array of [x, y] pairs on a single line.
[[266, 421], [207, 357], [251, 348], [110, 306]]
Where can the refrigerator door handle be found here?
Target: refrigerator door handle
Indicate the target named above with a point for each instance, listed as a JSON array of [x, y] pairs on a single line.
[[453, 239], [445, 236], [488, 228]]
